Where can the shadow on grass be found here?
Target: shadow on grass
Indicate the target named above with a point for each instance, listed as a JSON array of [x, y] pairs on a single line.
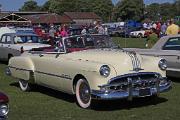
[[4, 62], [49, 92], [101, 105], [173, 79], [124, 104]]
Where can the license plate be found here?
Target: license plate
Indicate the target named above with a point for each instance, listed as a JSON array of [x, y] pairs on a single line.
[[144, 92]]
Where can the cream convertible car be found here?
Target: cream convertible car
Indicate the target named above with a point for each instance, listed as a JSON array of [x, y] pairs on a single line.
[[91, 69]]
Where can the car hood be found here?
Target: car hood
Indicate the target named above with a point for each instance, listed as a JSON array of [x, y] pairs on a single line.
[[117, 58], [29, 46]]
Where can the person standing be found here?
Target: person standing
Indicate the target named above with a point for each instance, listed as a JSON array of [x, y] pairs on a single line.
[[172, 29], [163, 29], [52, 32], [84, 31], [64, 32], [152, 38]]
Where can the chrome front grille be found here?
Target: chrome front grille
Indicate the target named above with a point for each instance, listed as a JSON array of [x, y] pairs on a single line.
[[137, 81]]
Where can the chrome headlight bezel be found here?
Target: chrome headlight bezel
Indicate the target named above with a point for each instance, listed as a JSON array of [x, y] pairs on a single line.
[[4, 109], [162, 64], [105, 70]]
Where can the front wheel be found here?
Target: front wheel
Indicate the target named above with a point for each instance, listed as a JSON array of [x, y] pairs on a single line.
[[83, 94], [24, 85]]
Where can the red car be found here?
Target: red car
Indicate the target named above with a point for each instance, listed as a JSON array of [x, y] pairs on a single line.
[[4, 106]]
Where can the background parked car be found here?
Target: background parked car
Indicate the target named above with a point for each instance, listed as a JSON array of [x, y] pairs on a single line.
[[4, 107], [167, 47], [140, 33], [13, 44]]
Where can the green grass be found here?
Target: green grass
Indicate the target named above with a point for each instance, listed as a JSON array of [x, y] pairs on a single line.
[[46, 104], [130, 42]]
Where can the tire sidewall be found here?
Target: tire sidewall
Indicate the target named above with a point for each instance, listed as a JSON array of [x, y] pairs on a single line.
[[24, 88], [79, 101]]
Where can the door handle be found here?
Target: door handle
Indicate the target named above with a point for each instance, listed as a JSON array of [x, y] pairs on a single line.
[[9, 45]]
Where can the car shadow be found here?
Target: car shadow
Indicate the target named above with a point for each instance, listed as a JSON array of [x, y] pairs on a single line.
[[100, 105], [4, 62], [50, 92], [173, 79], [112, 105]]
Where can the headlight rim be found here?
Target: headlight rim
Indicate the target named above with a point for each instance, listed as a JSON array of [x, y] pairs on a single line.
[[103, 72], [161, 64], [7, 109]]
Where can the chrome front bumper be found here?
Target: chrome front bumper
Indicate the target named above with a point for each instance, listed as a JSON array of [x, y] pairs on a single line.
[[131, 93]]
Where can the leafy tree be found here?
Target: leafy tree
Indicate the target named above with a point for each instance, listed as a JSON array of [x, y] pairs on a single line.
[[46, 6], [129, 9], [177, 7], [30, 5], [163, 11], [153, 11], [103, 8]]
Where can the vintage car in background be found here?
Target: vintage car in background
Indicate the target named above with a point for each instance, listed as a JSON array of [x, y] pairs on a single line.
[[14, 44], [140, 33], [4, 107], [91, 69], [167, 47]]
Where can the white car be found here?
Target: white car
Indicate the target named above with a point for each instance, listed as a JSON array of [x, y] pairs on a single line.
[[13, 44], [139, 33]]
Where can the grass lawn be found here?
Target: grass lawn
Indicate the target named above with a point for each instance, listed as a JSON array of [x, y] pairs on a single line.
[[130, 42], [47, 104]]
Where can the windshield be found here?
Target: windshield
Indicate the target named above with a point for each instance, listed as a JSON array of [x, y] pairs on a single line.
[[89, 41], [26, 39]]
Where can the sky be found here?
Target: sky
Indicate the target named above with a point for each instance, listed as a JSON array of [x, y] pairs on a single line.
[[14, 5]]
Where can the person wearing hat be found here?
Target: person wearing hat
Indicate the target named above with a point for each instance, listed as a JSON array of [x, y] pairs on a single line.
[[172, 29]]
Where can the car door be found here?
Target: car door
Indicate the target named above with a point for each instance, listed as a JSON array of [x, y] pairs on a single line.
[[3, 47], [49, 69]]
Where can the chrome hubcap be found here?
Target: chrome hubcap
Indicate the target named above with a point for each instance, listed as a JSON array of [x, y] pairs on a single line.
[[24, 83], [84, 93]]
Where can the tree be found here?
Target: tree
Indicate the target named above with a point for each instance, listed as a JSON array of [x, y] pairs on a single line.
[[103, 8], [30, 5], [153, 11], [129, 9], [46, 6]]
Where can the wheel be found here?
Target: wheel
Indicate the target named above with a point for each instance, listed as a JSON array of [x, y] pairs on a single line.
[[117, 35], [24, 85], [140, 35], [83, 94]]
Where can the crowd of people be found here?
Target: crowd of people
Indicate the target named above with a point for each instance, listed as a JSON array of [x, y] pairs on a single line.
[[65, 30], [159, 29]]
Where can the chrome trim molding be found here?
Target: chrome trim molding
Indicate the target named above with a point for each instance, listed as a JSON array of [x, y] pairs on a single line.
[[32, 73], [135, 61], [54, 75], [19, 68]]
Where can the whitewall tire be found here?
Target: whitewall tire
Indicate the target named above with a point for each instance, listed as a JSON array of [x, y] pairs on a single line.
[[83, 94], [24, 85]]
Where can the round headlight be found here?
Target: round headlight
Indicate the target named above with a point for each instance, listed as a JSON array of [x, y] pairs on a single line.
[[4, 109], [104, 71], [163, 64]]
